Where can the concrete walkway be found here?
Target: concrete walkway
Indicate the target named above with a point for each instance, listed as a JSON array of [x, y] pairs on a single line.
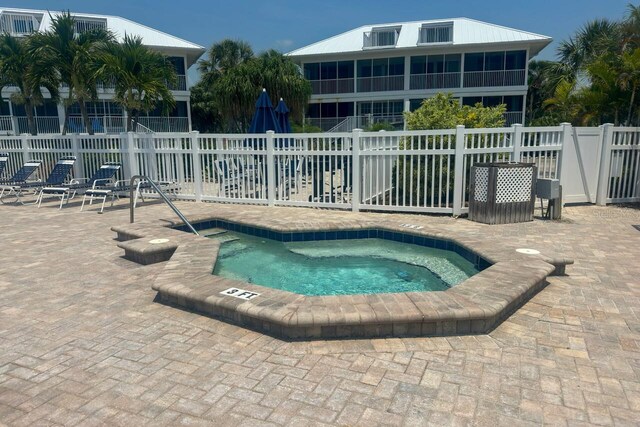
[[82, 341]]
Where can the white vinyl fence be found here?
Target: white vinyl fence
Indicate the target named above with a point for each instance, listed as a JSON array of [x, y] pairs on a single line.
[[410, 171]]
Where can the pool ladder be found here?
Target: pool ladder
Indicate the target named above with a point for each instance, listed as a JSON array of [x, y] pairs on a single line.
[[162, 195]]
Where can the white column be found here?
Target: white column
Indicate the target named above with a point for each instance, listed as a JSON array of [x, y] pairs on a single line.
[[271, 170], [356, 176], [458, 183], [196, 165], [517, 142], [606, 137], [407, 72], [567, 135]]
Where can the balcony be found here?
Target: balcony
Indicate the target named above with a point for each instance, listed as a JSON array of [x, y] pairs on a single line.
[[494, 78], [181, 83], [434, 81], [320, 87], [513, 117], [380, 84]]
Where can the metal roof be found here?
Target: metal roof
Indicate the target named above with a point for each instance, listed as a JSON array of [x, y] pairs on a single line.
[[465, 32], [121, 26]]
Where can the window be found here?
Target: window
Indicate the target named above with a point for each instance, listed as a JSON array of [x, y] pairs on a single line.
[[381, 108], [516, 60], [178, 64], [436, 33], [4, 108], [418, 65], [364, 68], [313, 111], [328, 109], [452, 63], [381, 37], [87, 24], [435, 64], [180, 110], [345, 70], [513, 103], [312, 71], [396, 66], [471, 100], [494, 61], [491, 101], [380, 67], [474, 62], [328, 71], [414, 104]]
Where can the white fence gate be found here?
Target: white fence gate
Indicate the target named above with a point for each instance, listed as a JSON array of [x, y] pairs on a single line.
[[410, 171]]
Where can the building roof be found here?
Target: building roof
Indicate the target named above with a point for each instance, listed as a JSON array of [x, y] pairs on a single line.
[[465, 32], [121, 26]]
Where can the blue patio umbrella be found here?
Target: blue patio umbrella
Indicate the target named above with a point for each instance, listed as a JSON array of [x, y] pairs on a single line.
[[282, 115], [264, 118]]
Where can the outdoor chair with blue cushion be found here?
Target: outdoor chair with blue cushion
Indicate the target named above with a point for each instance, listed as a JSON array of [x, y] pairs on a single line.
[[21, 176], [4, 158], [57, 176], [123, 188], [100, 179]]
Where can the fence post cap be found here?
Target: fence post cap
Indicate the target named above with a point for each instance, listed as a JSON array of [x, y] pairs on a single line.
[[460, 127], [271, 132]]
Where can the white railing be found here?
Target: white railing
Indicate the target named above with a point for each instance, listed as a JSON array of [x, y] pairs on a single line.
[[319, 87], [180, 84], [434, 81], [380, 84], [513, 117], [405, 171], [44, 125], [165, 124], [362, 122], [18, 24], [495, 78], [620, 165], [6, 125]]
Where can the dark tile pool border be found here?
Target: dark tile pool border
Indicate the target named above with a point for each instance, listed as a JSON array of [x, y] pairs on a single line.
[[479, 262]]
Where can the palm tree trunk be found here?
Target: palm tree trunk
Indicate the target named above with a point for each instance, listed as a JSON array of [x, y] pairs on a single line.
[[65, 127], [85, 117], [530, 108], [31, 122], [631, 102]]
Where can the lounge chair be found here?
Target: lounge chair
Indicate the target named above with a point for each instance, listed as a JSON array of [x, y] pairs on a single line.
[[122, 188], [23, 174], [57, 176], [4, 158], [101, 178]]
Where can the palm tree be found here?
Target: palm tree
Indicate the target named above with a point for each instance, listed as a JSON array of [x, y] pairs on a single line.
[[596, 38], [20, 67], [223, 56], [73, 55], [629, 78], [142, 77]]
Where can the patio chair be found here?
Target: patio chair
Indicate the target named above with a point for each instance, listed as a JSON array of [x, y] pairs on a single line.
[[4, 158], [57, 176], [122, 188], [101, 178], [23, 174]]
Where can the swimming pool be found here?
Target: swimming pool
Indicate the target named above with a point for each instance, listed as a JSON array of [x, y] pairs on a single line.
[[339, 267]]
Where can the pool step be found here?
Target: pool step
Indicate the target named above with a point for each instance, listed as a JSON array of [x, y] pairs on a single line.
[[212, 232]]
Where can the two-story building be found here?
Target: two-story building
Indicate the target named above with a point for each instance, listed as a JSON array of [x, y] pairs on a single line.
[[106, 115], [374, 73]]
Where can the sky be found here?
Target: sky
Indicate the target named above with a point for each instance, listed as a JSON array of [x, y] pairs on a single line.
[[287, 24]]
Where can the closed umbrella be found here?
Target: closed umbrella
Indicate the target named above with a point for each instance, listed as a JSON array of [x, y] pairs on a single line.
[[264, 118]]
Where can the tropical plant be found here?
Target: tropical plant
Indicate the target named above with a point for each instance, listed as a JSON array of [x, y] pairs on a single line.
[[232, 79], [73, 55], [22, 68], [414, 175], [142, 77]]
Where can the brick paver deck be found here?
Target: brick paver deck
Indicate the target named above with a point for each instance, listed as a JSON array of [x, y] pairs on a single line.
[[82, 341]]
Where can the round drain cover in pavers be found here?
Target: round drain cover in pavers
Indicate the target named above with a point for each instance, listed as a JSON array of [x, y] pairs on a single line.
[[528, 251], [158, 241]]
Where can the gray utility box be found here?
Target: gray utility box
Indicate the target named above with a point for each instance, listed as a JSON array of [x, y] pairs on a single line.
[[502, 193]]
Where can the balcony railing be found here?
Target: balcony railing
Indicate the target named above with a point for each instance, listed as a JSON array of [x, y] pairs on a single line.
[[320, 87], [17, 24], [6, 125], [380, 84], [494, 78], [513, 117], [181, 83], [434, 81], [43, 125], [165, 124]]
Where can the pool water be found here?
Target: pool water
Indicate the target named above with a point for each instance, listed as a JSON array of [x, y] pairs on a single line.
[[339, 267]]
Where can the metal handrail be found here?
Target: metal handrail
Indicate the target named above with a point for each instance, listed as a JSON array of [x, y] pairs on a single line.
[[161, 194]]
